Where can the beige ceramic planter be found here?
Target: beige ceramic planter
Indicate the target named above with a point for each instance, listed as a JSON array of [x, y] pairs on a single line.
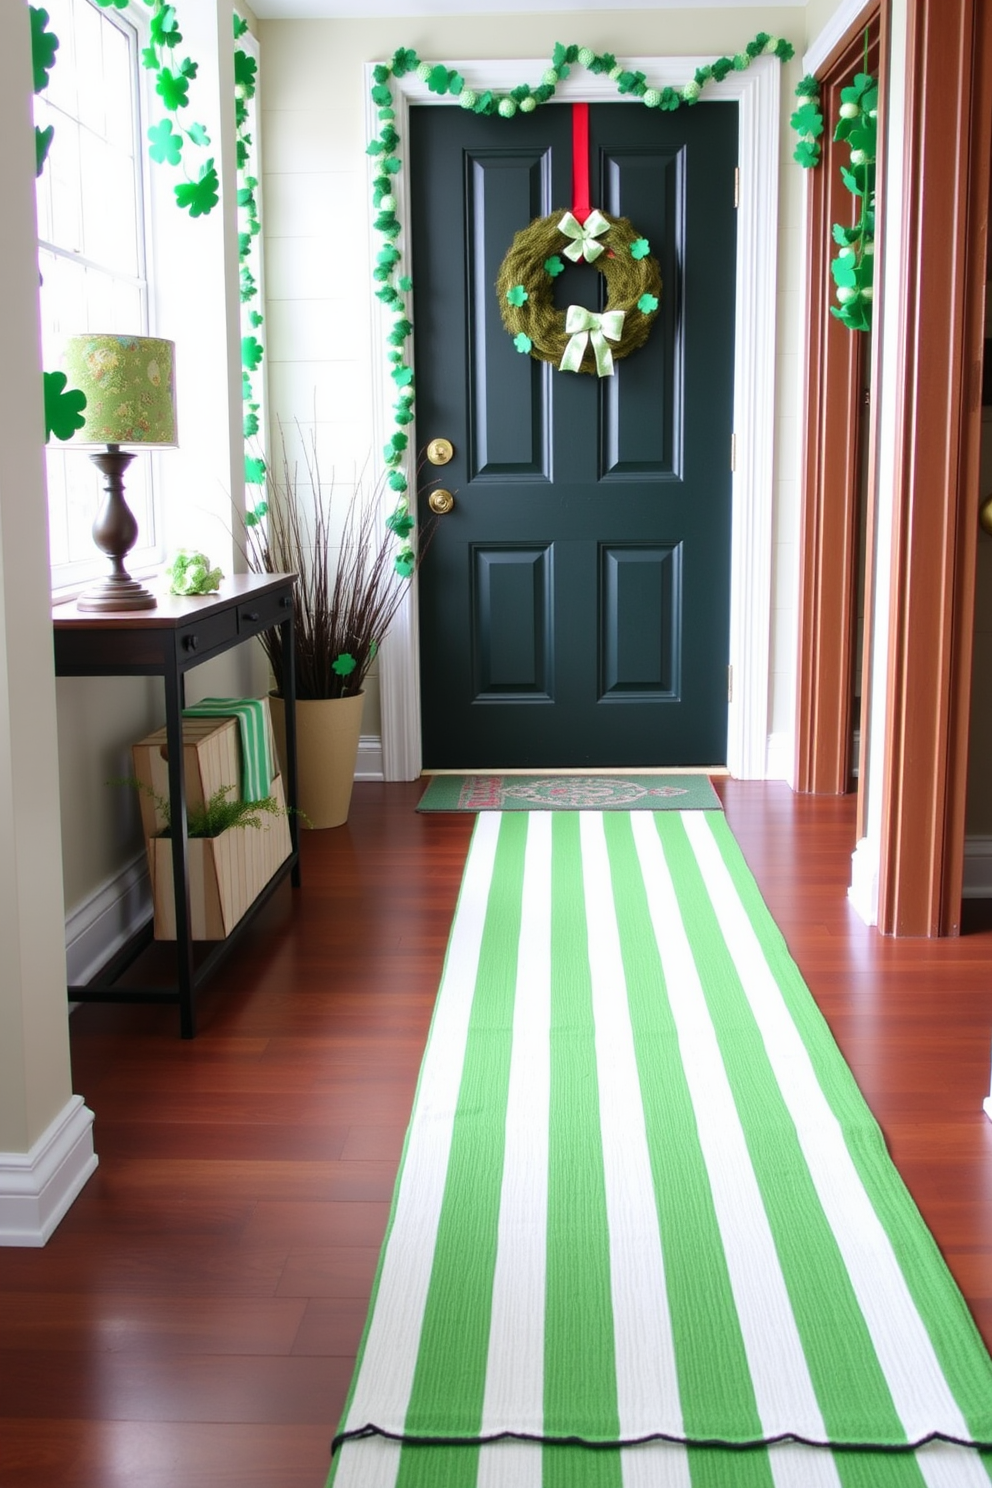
[[327, 734]]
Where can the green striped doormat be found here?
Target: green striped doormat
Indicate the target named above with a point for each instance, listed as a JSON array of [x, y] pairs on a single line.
[[569, 793], [646, 1233]]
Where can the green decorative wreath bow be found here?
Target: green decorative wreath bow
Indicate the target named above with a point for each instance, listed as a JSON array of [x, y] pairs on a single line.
[[584, 235], [584, 326]]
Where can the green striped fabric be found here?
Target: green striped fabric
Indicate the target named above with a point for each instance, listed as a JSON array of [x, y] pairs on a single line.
[[646, 1233], [253, 723]]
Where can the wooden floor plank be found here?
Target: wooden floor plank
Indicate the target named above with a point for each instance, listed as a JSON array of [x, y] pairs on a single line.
[[193, 1321]]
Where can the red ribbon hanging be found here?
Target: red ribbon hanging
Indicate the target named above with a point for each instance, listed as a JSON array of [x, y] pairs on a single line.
[[581, 204]]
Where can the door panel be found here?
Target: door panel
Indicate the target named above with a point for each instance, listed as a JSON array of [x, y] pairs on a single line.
[[574, 605], [512, 624]]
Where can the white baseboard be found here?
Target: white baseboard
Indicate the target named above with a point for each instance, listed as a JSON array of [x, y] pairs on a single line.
[[863, 892], [98, 927], [37, 1187], [778, 757], [368, 766], [977, 868]]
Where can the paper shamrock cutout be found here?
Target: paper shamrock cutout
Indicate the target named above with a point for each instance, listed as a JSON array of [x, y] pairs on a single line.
[[647, 303], [44, 45], [165, 146], [42, 144], [400, 522], [63, 408], [245, 68], [554, 266], [640, 248], [254, 470], [523, 343], [201, 196], [517, 295], [172, 88], [251, 352], [344, 664]]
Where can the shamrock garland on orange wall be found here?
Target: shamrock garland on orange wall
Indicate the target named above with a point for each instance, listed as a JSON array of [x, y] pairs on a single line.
[[853, 267]]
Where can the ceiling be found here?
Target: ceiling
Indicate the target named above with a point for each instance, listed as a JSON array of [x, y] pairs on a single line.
[[294, 10]]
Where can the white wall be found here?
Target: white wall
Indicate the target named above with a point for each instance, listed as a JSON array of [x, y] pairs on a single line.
[[316, 231], [38, 1115]]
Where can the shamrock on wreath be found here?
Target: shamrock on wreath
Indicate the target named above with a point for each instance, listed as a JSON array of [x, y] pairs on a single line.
[[579, 340]]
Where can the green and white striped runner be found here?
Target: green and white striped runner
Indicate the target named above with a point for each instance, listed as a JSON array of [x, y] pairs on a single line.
[[643, 1206], [252, 715]]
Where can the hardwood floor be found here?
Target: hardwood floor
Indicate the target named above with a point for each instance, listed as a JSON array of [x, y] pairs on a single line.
[[193, 1321]]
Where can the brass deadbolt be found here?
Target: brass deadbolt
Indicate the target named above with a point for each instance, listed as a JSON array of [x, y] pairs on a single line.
[[440, 502], [440, 451]]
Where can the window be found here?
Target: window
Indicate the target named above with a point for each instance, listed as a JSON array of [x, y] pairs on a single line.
[[91, 251]]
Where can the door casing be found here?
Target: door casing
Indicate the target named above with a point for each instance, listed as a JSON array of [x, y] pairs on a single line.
[[756, 92]]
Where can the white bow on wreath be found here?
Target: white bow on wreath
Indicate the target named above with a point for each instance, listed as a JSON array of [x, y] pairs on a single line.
[[584, 326], [584, 235]]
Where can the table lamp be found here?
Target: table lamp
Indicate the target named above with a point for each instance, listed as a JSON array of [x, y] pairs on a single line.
[[130, 400]]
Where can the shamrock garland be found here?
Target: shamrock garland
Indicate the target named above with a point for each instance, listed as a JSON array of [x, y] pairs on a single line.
[[394, 285], [63, 405], [252, 349], [853, 268], [807, 121], [197, 196]]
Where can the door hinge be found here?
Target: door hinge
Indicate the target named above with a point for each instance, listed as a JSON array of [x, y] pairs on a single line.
[[737, 185], [730, 684], [733, 452]]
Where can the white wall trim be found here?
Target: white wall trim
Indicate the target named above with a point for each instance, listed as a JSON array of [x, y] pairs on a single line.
[[779, 757], [863, 890], [37, 1187], [368, 765], [757, 93], [106, 920], [847, 15], [977, 868]]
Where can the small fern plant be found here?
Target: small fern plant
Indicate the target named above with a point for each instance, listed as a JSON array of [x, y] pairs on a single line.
[[214, 816]]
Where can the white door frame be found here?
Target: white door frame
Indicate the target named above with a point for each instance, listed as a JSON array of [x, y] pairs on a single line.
[[756, 91]]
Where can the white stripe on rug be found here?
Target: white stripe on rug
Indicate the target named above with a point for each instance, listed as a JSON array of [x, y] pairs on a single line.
[[920, 1392], [515, 1367], [646, 1371], [784, 1393], [389, 1357]]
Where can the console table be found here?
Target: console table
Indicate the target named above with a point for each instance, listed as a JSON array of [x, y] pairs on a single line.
[[167, 642]]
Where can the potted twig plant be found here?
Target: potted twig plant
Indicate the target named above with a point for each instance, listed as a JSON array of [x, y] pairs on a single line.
[[347, 593]]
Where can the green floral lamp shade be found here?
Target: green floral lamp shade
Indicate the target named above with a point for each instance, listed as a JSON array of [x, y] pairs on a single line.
[[129, 387]]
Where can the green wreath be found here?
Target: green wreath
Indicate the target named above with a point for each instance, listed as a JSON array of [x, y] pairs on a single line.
[[579, 340]]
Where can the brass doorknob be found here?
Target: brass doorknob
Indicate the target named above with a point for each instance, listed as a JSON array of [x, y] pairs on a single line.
[[440, 502], [985, 515], [440, 451]]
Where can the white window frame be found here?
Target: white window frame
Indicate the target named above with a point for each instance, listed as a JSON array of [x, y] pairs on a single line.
[[69, 577]]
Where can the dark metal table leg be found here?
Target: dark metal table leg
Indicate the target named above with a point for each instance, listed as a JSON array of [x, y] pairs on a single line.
[[174, 692]]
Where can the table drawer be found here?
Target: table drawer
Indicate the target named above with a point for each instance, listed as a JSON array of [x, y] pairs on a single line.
[[263, 612], [203, 636]]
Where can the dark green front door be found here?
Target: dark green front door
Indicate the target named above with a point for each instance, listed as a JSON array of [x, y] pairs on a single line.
[[574, 603]]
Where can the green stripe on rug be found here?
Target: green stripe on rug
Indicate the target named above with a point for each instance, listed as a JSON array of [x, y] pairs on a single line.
[[641, 1200], [814, 1272], [700, 1296], [578, 1317]]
